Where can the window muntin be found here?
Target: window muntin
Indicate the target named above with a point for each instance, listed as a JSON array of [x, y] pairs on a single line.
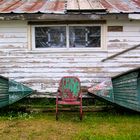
[[67, 36]]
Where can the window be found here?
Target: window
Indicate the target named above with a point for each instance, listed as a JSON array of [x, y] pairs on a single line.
[[85, 36], [50, 37], [67, 36]]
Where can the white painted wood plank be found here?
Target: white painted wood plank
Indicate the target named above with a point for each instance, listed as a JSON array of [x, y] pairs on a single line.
[[124, 23], [120, 44], [50, 60], [13, 35], [13, 40], [134, 16], [52, 75], [123, 34], [52, 70], [52, 65], [63, 65], [134, 28], [8, 45], [110, 52], [13, 24], [57, 79], [13, 29], [45, 54], [124, 39]]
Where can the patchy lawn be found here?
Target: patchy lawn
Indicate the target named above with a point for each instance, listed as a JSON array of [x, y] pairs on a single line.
[[112, 125]]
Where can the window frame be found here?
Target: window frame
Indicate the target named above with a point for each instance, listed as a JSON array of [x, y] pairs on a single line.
[[67, 48]]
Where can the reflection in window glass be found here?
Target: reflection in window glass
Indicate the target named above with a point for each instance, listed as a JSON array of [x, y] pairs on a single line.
[[77, 36], [85, 36], [50, 37]]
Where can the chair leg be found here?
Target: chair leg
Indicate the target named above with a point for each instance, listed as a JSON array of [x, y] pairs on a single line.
[[56, 111], [56, 116], [81, 113]]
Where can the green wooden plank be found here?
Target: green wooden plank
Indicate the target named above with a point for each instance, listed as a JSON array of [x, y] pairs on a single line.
[[133, 98], [138, 89], [126, 94], [134, 83], [4, 96]]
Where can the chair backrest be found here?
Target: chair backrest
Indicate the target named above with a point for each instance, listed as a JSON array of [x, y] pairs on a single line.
[[70, 88]]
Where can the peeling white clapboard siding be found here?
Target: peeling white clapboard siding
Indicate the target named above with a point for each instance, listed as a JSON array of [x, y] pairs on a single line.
[[13, 30], [13, 35], [13, 40], [43, 69], [12, 46], [50, 60], [52, 70], [56, 54], [51, 65], [124, 34], [130, 36], [47, 80], [124, 39], [52, 75], [52, 85]]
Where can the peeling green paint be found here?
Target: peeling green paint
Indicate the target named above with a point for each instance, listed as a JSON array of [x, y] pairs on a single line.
[[17, 91], [11, 91], [70, 86]]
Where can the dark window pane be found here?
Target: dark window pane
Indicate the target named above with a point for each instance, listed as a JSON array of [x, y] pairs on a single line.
[[85, 36], [77, 36], [50, 37]]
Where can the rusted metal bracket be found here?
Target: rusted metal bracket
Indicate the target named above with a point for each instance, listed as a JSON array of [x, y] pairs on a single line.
[[119, 53]]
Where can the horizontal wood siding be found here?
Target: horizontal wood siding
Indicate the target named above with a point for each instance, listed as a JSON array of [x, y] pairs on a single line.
[[118, 41], [42, 70], [13, 35]]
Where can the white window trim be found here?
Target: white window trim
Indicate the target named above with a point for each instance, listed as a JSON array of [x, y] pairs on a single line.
[[67, 49]]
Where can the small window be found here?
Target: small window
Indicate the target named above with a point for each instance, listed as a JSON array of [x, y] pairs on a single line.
[[50, 37], [85, 36], [69, 36]]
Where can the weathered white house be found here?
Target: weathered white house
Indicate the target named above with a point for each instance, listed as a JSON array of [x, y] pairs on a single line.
[[44, 40]]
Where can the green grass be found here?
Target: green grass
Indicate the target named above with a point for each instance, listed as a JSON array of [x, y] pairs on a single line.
[[111, 125], [18, 124]]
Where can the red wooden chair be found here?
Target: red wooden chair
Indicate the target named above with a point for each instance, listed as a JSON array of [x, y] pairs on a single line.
[[69, 93]]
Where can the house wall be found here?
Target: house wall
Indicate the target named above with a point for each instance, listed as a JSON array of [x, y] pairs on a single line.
[[42, 70], [119, 41]]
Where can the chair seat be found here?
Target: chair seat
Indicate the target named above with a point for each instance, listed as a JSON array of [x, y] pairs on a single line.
[[69, 102]]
